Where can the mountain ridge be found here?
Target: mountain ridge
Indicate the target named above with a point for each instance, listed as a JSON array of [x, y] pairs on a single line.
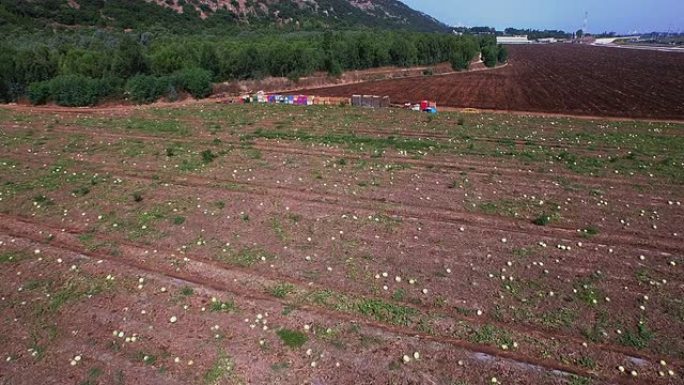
[[310, 14]]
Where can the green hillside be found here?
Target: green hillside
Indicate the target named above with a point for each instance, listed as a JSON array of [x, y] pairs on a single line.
[[184, 15]]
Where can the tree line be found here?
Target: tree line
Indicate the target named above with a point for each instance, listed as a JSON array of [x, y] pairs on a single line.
[[87, 66]]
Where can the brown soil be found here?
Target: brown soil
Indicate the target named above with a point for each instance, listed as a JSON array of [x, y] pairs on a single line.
[[565, 79], [355, 214]]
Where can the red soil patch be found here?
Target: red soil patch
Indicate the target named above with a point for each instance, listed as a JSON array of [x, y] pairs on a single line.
[[566, 79]]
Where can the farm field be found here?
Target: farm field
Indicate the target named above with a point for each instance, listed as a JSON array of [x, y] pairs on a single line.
[[271, 244], [563, 79]]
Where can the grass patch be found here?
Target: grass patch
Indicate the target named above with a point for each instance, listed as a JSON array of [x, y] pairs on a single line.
[[249, 256], [11, 257], [491, 335], [374, 144], [386, 312], [292, 338], [42, 200], [587, 362], [542, 220], [81, 191], [147, 359], [579, 380], [186, 291], [278, 229], [208, 156], [223, 307], [559, 318], [93, 375], [399, 295], [281, 290], [639, 338], [587, 292], [221, 370], [74, 289], [590, 231]]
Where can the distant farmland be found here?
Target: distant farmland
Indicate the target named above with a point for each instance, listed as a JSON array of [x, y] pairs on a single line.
[[567, 79]]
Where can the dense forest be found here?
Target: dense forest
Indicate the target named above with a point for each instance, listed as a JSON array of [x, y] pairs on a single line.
[[84, 65]]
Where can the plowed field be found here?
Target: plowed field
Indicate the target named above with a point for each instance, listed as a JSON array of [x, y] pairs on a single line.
[[327, 245], [564, 79]]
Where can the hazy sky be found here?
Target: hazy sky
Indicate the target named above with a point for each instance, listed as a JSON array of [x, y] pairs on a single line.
[[621, 16]]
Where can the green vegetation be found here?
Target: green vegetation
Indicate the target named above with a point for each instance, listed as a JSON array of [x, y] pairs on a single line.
[[11, 257], [590, 231], [281, 290], [587, 292], [137, 197], [208, 156], [147, 359], [579, 380], [73, 90], [286, 15], [542, 220], [186, 291], [292, 338], [491, 335], [639, 339], [81, 191], [586, 362], [386, 312], [220, 371], [248, 256], [93, 375], [82, 67], [374, 144], [223, 307]]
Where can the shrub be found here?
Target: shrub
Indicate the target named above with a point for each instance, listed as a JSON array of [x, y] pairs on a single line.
[[333, 67], [196, 81], [489, 56], [39, 93], [147, 89], [459, 61], [502, 54], [542, 220], [74, 90], [208, 156], [110, 86], [292, 338]]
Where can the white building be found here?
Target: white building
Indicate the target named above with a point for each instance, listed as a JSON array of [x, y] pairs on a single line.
[[547, 40], [522, 39]]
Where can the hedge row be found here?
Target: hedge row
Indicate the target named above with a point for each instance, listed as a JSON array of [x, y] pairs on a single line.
[[74, 90], [78, 90], [147, 88]]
